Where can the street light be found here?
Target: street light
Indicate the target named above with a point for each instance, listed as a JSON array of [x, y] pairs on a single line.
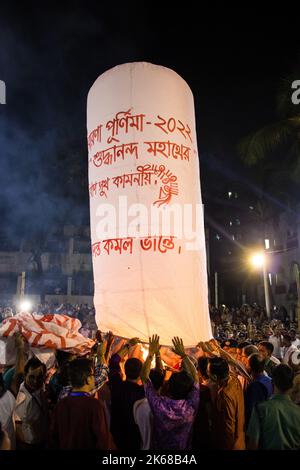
[[258, 260], [25, 306]]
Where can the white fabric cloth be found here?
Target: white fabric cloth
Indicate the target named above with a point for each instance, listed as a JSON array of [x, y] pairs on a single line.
[[143, 417], [47, 331], [31, 410], [7, 405]]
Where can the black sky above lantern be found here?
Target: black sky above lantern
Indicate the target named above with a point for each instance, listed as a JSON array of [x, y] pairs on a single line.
[[51, 54]]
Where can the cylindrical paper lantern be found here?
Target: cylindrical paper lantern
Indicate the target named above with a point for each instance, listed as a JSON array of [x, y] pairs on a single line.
[[147, 231]]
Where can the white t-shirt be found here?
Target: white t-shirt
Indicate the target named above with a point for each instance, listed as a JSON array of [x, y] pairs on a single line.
[[296, 343], [31, 410], [277, 346], [144, 419], [7, 404], [287, 351]]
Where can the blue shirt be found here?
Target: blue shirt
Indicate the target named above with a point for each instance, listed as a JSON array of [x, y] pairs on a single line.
[[259, 390]]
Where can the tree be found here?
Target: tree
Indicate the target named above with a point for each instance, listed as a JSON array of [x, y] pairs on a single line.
[[274, 150]]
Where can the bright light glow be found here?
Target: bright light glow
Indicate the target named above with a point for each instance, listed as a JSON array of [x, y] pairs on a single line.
[[145, 351], [229, 194], [270, 278], [25, 306], [267, 243], [257, 260]]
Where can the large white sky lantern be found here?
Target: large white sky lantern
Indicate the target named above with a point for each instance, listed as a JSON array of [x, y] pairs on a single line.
[[147, 229]]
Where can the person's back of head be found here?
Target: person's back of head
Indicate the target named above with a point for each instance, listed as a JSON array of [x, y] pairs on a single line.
[[157, 378], [248, 350], [180, 385], [282, 377], [133, 367], [79, 371], [62, 357], [202, 366], [256, 364], [218, 369]]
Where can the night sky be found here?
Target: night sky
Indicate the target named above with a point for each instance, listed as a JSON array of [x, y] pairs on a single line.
[[51, 55]]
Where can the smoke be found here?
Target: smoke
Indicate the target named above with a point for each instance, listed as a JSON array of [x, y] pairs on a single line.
[[48, 60]]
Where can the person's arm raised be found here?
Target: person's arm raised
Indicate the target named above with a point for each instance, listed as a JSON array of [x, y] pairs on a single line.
[[188, 366], [153, 350]]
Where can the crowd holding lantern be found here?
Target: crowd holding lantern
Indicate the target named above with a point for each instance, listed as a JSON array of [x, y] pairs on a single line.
[[239, 391]]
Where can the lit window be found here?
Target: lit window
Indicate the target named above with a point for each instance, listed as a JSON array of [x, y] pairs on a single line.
[[236, 195], [267, 243]]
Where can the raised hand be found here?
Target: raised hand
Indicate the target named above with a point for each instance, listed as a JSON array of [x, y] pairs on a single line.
[[110, 338], [19, 341], [178, 346], [154, 346], [133, 341]]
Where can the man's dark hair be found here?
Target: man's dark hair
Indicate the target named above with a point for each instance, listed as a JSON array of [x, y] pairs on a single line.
[[133, 367], [79, 371], [256, 363], [243, 344], [269, 346], [202, 366], [219, 367], [62, 357], [180, 385], [282, 377], [157, 378], [251, 349], [34, 363]]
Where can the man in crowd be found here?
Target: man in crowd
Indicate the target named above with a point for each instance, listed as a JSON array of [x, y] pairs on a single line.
[[31, 410], [202, 425], [266, 349], [228, 409], [295, 341], [124, 394], [275, 423], [79, 420], [275, 339], [260, 388], [173, 415], [288, 348]]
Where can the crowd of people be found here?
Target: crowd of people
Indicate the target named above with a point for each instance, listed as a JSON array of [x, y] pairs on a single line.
[[241, 390]]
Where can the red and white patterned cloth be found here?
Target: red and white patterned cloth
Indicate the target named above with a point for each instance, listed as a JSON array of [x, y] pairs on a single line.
[[48, 331]]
